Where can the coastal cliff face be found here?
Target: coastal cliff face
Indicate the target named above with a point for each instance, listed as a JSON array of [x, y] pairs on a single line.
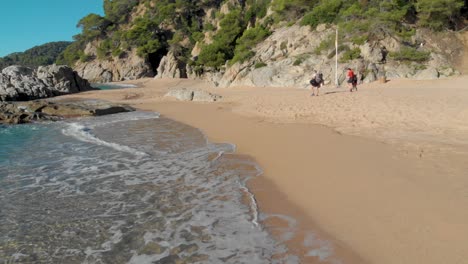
[[266, 43], [18, 83], [289, 56], [128, 67]]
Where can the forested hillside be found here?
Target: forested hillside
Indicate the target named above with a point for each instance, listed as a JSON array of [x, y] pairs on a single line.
[[228, 31], [45, 54]]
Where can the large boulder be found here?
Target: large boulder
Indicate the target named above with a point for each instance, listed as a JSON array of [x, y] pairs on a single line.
[[181, 94], [184, 94], [171, 67], [427, 74], [204, 96], [62, 78], [18, 83]]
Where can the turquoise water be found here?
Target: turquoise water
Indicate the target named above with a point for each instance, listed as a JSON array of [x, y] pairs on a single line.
[[127, 188], [16, 139]]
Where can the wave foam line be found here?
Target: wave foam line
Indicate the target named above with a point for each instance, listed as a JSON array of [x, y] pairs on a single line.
[[124, 117], [82, 133], [253, 205]]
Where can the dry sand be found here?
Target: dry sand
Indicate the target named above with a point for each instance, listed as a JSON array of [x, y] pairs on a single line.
[[382, 173]]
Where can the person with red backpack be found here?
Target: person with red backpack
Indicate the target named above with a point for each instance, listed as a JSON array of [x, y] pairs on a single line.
[[352, 80]]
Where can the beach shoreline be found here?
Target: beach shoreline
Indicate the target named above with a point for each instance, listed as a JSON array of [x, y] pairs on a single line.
[[373, 201], [271, 199]]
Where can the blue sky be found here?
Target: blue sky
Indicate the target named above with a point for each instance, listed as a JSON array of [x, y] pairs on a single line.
[[28, 23]]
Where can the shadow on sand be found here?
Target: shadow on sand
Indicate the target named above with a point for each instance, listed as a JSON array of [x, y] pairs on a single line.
[[334, 92]]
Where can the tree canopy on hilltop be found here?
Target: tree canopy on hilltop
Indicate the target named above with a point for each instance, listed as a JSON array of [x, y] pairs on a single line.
[[45, 54]]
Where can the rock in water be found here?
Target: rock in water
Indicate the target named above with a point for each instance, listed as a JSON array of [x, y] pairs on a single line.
[[18, 83], [39, 110]]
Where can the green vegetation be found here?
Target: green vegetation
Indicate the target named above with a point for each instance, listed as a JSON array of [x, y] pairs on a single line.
[[224, 41], [300, 59], [410, 54], [287, 10], [258, 9], [325, 45], [438, 14], [155, 26], [377, 17], [37, 56], [260, 65], [72, 53], [117, 11], [325, 12], [249, 39], [92, 27], [350, 54]]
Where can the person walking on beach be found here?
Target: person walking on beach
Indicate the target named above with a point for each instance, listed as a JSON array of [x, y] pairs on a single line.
[[316, 82], [352, 80]]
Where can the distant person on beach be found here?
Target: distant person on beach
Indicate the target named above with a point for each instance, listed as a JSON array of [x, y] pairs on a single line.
[[384, 52], [352, 80], [316, 82]]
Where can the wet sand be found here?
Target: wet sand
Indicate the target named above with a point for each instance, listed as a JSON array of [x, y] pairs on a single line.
[[384, 182]]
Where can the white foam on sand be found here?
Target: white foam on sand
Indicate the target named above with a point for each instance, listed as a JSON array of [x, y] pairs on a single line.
[[176, 199], [319, 248]]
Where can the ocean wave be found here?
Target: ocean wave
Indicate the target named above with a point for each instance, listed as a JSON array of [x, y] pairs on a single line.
[[93, 122], [188, 199], [83, 133]]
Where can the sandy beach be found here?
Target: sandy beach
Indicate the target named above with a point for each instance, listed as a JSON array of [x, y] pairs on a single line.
[[380, 176]]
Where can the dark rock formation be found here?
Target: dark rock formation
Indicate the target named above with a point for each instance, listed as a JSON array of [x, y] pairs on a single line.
[[18, 83], [42, 110]]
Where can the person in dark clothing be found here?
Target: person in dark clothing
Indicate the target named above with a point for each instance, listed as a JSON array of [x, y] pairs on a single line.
[[384, 52], [316, 82]]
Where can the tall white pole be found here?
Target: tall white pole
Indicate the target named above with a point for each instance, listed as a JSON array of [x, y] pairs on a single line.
[[336, 57]]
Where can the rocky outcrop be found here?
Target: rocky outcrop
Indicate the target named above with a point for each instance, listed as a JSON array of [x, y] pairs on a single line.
[[42, 110], [170, 67], [427, 74], [62, 78], [128, 67], [289, 56], [184, 94], [18, 83]]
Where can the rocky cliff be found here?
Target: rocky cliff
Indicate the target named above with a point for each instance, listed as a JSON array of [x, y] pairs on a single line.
[[127, 67], [18, 83], [288, 57], [269, 43]]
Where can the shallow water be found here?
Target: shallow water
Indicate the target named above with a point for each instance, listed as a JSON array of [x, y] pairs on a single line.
[[127, 188], [111, 86]]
